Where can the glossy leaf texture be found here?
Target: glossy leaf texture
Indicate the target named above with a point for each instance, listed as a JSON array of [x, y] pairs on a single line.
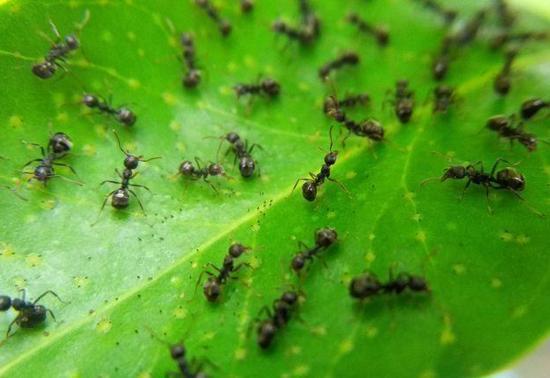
[[129, 275]]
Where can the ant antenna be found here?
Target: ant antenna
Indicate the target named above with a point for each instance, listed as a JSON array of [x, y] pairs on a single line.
[[120, 144]]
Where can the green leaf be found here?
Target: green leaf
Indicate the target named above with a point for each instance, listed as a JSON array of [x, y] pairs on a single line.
[[129, 273]]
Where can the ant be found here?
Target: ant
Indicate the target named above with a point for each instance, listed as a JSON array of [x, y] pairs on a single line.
[[404, 101], [440, 64], [213, 286], [504, 126], [310, 22], [30, 313], [360, 99], [324, 238], [187, 169], [120, 198], [267, 87], [223, 25], [298, 34], [247, 164], [368, 284], [444, 96], [192, 77], [506, 37], [381, 34], [471, 28], [449, 15], [59, 145], [123, 114], [310, 186], [279, 315], [505, 16], [59, 51], [531, 107], [502, 83], [247, 6], [349, 58], [369, 128]]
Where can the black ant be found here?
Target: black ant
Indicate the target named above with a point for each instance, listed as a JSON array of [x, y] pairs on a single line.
[[448, 15], [310, 186], [368, 284], [369, 128], [444, 96], [292, 32], [223, 25], [58, 52], [268, 87], [58, 146], [440, 64], [504, 126], [247, 6], [187, 169], [404, 101], [531, 107], [468, 33], [311, 25], [360, 99], [349, 58], [123, 114], [247, 164], [120, 198], [278, 316], [192, 77], [30, 314], [213, 286], [381, 34], [502, 83], [506, 17], [324, 238]]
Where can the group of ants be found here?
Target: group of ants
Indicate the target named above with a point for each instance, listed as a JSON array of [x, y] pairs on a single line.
[[366, 285]]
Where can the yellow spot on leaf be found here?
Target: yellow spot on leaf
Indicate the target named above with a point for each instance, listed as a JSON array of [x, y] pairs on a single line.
[[7, 251], [104, 326], [522, 239], [134, 83], [409, 196], [169, 98], [304, 87], [447, 335], [331, 214], [319, 330], [506, 236], [421, 236], [346, 346], [301, 370], [295, 349], [20, 283], [107, 36], [48, 204], [88, 150], [231, 67], [371, 332], [417, 217], [62, 117], [459, 269], [180, 313], [427, 374], [15, 121], [351, 174], [496, 283], [145, 374], [519, 311], [131, 35], [370, 256], [249, 61], [240, 354], [371, 236], [80, 281], [175, 125]]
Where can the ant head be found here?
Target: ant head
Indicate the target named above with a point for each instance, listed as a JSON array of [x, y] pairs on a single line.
[[330, 158], [247, 166], [443, 90], [382, 36], [351, 58], [402, 83], [216, 169], [309, 190], [131, 161], [187, 168], [298, 262], [177, 351], [186, 39], [90, 100], [232, 137], [417, 283], [246, 6], [325, 237], [126, 116], [192, 78], [225, 28], [212, 289], [455, 172], [271, 87], [72, 42], [237, 249], [511, 178], [290, 297], [44, 70]]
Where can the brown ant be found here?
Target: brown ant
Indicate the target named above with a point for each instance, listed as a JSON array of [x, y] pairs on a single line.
[[123, 114], [278, 316], [368, 285], [223, 25], [505, 127], [502, 83], [247, 164], [381, 34], [468, 33], [187, 169], [448, 15], [503, 38], [369, 128], [30, 314], [324, 238], [404, 101], [213, 286], [444, 96], [59, 51], [59, 145], [349, 58], [192, 77], [268, 87], [532, 106], [247, 6]]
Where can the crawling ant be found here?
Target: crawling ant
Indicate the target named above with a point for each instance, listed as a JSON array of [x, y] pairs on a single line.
[[324, 238], [120, 198], [503, 38], [368, 284], [381, 34], [123, 114], [58, 146], [470, 29], [268, 87], [448, 15], [223, 25], [440, 64], [502, 83], [192, 77], [247, 6], [531, 107], [189, 170], [30, 314], [349, 58], [504, 126], [298, 34], [213, 286], [350, 101], [58, 53], [369, 128], [309, 29], [404, 101], [247, 164], [444, 96], [506, 17], [278, 316], [310, 186]]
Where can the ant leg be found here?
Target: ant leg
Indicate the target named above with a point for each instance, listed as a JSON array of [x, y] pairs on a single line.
[[66, 165], [211, 185], [66, 179], [340, 185], [265, 310], [11, 325], [28, 163], [214, 267], [52, 315], [488, 199], [109, 181], [239, 266], [106, 198], [330, 136], [139, 201], [346, 138], [493, 170], [46, 293], [255, 145], [200, 279], [303, 245], [140, 186], [23, 297], [54, 29], [464, 190], [297, 181]]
